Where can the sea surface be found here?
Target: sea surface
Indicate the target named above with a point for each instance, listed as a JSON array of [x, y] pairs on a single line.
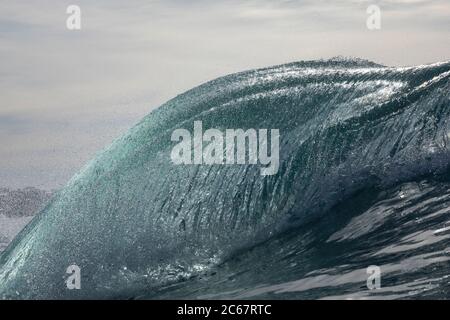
[[363, 181]]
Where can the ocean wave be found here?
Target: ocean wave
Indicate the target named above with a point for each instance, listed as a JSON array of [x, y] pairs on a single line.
[[134, 222]]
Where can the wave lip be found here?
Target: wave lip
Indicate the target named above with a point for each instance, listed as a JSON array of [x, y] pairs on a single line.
[[132, 220]]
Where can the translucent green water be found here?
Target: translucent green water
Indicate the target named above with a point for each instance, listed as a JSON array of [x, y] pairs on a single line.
[[354, 135]]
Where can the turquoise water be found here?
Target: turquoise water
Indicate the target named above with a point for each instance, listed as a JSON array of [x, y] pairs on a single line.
[[363, 180]]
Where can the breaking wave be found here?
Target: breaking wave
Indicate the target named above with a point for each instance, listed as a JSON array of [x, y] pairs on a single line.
[[363, 180]]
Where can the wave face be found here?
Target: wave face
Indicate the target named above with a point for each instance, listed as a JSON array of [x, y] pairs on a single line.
[[363, 180]]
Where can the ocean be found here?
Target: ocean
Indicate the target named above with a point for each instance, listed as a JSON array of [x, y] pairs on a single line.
[[363, 184]]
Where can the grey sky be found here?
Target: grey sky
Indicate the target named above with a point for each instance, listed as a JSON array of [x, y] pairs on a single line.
[[66, 94]]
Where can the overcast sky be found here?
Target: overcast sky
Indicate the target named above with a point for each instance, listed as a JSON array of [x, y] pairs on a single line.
[[66, 94]]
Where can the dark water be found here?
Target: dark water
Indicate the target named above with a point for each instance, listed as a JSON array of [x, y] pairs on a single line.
[[363, 180], [405, 231]]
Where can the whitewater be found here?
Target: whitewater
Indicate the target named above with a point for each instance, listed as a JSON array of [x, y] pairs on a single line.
[[363, 180]]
